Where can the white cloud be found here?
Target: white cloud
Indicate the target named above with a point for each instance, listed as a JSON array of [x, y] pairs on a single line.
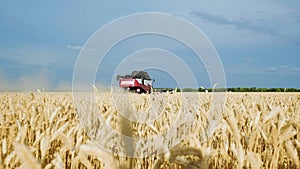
[[272, 69], [283, 67], [76, 47], [248, 59], [295, 69], [17, 53], [289, 69]]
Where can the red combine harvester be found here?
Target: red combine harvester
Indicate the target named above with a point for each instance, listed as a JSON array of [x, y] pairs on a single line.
[[138, 81]]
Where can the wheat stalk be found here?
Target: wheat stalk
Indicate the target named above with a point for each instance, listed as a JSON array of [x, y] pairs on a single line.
[[256, 130], [292, 152], [44, 145], [28, 161], [105, 157], [4, 146]]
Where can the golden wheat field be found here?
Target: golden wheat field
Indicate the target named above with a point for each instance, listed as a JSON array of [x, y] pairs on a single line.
[[255, 130]]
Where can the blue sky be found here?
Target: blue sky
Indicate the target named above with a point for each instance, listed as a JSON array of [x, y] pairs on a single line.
[[258, 41]]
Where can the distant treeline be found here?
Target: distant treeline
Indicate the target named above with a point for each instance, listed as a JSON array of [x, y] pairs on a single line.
[[237, 89]]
